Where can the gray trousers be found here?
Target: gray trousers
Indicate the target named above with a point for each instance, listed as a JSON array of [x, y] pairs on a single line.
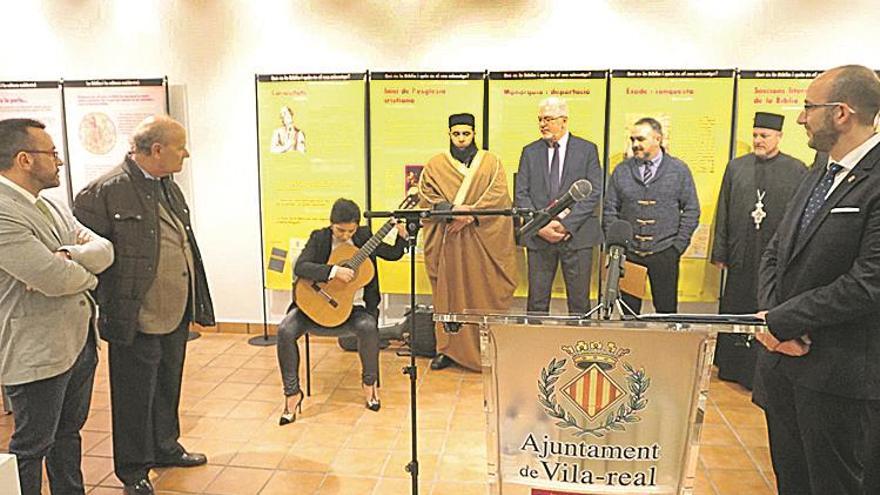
[[361, 323], [48, 417], [577, 267]]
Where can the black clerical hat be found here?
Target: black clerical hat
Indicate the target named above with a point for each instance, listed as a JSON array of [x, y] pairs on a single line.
[[461, 118], [766, 120]]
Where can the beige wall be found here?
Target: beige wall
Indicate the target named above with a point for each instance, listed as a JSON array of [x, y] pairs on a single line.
[[211, 49]]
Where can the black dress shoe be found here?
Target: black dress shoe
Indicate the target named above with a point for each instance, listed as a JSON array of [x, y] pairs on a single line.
[[140, 487], [185, 459], [441, 361]]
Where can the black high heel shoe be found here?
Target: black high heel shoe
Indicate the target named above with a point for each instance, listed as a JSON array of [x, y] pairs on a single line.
[[373, 403], [289, 416]]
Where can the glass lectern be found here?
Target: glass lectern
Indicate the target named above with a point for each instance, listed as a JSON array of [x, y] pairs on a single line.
[[580, 406]]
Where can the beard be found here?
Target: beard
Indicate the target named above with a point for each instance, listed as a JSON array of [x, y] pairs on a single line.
[[765, 154], [464, 155], [825, 137]]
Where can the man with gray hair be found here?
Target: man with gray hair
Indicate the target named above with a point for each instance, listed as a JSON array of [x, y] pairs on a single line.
[[48, 263], [148, 298], [754, 192], [547, 169], [818, 374]]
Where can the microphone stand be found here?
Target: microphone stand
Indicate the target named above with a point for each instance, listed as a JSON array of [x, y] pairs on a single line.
[[413, 219], [605, 308]]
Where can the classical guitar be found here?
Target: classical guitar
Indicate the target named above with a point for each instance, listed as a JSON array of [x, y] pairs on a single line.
[[329, 303]]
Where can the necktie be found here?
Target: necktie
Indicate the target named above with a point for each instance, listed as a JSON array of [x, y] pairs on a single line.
[[554, 172], [165, 194], [648, 173], [817, 198], [41, 205]]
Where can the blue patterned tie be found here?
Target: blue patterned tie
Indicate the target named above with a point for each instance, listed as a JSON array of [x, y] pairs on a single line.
[[817, 198]]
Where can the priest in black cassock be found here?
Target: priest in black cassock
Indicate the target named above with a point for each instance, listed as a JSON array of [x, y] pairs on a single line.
[[755, 190]]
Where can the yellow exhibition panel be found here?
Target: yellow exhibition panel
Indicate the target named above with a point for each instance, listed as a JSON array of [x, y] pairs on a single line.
[[780, 92], [328, 148], [696, 111], [513, 113], [408, 125], [302, 172]]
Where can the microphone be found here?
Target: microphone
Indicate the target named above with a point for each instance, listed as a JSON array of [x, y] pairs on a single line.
[[578, 191], [620, 234]]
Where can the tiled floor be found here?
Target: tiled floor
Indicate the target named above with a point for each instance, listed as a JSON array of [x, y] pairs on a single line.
[[231, 402]]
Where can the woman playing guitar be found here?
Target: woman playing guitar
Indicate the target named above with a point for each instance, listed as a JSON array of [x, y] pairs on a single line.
[[330, 275]]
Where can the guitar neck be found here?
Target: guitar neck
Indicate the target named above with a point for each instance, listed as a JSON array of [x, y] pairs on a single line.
[[367, 249]]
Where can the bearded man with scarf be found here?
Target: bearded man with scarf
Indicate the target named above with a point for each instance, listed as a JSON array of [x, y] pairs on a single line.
[[469, 260]]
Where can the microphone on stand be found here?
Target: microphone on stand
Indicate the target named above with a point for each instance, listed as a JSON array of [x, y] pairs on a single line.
[[578, 191], [620, 234]]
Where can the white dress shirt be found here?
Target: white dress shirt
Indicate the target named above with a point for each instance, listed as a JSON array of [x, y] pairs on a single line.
[[30, 197], [563, 145], [851, 159]]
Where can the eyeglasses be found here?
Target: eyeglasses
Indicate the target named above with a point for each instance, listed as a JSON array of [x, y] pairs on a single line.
[[545, 119], [54, 153], [810, 106]]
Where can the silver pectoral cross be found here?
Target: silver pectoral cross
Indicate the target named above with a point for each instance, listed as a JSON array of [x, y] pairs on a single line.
[[758, 214]]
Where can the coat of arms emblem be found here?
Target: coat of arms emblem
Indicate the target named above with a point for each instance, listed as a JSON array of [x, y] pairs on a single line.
[[597, 400]]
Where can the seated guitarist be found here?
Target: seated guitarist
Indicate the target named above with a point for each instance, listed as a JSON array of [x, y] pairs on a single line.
[[312, 265]]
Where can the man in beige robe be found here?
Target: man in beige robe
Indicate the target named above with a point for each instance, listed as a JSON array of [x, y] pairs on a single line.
[[469, 259]]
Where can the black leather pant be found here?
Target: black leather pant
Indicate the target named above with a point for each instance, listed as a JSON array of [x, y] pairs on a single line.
[[364, 325]]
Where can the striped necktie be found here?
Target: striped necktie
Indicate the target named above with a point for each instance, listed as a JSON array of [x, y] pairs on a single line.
[[648, 174]]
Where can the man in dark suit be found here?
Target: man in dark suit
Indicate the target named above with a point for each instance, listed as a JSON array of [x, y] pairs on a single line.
[[818, 376], [312, 264], [547, 169]]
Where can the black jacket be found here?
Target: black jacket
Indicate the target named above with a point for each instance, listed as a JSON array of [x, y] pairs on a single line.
[[825, 282], [312, 262], [123, 207]]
